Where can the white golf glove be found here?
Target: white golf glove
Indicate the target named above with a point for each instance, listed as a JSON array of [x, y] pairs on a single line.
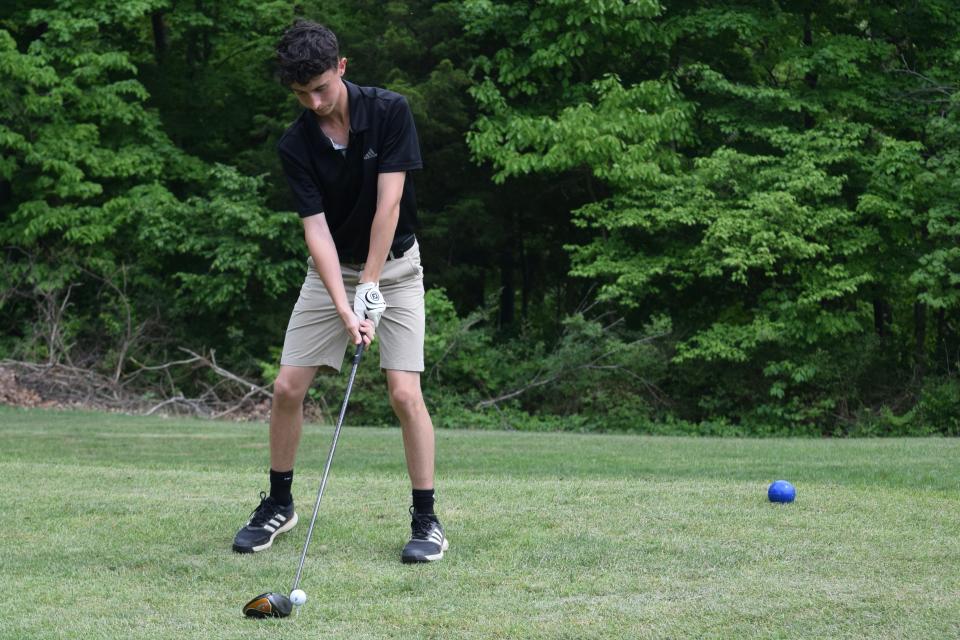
[[369, 303]]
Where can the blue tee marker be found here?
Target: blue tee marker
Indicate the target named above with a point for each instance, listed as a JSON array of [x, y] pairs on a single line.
[[781, 491]]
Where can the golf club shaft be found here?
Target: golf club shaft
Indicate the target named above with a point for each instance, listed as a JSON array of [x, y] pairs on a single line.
[[326, 469]]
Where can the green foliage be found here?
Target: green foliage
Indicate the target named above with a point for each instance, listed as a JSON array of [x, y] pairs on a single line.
[[937, 412], [596, 376], [765, 194], [97, 188], [939, 408], [766, 183]]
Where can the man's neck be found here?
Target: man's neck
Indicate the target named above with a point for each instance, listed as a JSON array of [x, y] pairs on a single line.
[[339, 118]]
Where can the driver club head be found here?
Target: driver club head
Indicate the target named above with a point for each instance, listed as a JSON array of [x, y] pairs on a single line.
[[268, 605]]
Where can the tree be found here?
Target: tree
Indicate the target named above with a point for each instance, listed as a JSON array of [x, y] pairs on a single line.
[[741, 152], [105, 209]]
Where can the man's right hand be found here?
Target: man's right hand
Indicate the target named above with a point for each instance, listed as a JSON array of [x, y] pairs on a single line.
[[358, 330]]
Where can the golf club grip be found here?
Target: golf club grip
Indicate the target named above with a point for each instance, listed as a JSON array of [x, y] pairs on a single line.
[[326, 470]]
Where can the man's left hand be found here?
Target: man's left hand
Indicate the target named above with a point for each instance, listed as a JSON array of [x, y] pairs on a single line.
[[369, 302]]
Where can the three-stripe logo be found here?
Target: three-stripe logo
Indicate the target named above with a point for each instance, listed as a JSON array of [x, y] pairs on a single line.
[[275, 523]]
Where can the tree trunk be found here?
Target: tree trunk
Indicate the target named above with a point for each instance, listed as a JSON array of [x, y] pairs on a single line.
[[881, 317], [507, 287], [160, 44], [811, 77], [524, 280], [920, 339], [942, 340]]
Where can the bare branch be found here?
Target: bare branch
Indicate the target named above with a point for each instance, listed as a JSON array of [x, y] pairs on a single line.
[[169, 401], [212, 363], [564, 371]]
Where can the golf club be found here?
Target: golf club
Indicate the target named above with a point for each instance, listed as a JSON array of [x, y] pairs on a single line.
[[277, 605]]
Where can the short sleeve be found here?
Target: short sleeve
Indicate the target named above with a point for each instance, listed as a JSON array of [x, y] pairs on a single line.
[[305, 190], [401, 149]]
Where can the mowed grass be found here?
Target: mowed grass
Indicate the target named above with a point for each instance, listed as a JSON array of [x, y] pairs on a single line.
[[120, 527]]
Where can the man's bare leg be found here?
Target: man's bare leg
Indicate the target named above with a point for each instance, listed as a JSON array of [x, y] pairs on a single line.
[[276, 513], [428, 541], [286, 414], [406, 398]]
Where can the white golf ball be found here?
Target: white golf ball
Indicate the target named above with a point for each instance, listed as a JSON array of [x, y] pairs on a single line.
[[298, 597]]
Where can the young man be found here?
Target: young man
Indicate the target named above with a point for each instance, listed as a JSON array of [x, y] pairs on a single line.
[[346, 159]]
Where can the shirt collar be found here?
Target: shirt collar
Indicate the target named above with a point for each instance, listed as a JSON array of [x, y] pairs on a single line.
[[359, 117]]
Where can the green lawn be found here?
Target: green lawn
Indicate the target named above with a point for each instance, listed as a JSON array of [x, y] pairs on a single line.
[[120, 527]]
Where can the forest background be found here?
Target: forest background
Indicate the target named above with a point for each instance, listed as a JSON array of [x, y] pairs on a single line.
[[664, 217]]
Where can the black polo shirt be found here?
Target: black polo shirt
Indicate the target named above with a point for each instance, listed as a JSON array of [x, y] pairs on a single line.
[[343, 186]]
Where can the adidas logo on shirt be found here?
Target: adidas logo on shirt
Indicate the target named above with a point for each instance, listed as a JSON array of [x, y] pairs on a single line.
[[370, 155]]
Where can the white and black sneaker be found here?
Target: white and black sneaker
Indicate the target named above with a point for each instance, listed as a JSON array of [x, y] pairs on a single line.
[[427, 542], [266, 522]]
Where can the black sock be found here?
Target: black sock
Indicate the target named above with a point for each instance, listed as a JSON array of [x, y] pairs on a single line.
[[280, 483], [423, 501]]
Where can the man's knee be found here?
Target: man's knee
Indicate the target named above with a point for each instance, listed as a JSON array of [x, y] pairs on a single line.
[[287, 390], [406, 398]]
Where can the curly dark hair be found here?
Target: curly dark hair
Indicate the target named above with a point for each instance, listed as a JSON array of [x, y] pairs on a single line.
[[306, 50]]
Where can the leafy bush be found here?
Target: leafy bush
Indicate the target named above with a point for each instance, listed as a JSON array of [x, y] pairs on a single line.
[[939, 407]]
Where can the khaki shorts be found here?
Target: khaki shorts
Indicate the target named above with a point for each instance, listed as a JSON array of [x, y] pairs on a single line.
[[316, 335]]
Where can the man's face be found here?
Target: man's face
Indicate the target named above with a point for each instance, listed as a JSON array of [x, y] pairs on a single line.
[[323, 92]]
